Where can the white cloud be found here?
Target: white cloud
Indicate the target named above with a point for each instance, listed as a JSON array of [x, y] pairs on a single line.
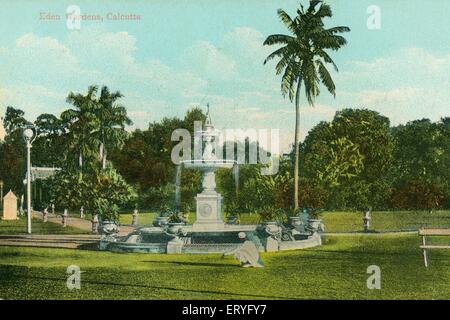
[[408, 84], [38, 72], [33, 99], [37, 60], [208, 61], [411, 67], [98, 49], [243, 93], [246, 46], [397, 95]]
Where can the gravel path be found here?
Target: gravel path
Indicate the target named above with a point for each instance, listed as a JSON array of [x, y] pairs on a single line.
[[49, 240], [68, 241], [79, 223]]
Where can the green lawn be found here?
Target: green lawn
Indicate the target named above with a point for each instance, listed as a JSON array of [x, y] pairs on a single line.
[[38, 227], [337, 270], [346, 221], [146, 218], [386, 220], [382, 221]]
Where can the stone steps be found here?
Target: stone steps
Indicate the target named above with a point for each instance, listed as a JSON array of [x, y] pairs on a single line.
[[48, 241]]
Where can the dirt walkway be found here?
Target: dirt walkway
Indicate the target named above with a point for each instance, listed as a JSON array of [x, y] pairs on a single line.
[[68, 241], [79, 223], [49, 240]]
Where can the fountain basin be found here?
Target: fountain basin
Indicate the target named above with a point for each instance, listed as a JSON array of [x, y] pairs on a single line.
[[157, 240]]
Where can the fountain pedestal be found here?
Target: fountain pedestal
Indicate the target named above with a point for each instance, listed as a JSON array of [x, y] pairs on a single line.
[[209, 213], [209, 206]]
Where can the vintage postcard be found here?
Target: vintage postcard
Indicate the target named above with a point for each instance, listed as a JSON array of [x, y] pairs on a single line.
[[224, 150]]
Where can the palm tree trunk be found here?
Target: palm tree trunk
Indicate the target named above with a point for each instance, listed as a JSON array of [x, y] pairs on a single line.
[[296, 148], [104, 159], [100, 152], [80, 160]]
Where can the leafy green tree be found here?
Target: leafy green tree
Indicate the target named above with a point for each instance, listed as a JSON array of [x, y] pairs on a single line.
[[259, 192], [12, 168], [302, 61], [107, 192], [112, 118], [339, 160], [87, 130], [12, 155], [419, 151], [444, 126], [313, 195], [95, 125], [99, 191], [79, 124], [418, 195], [14, 120], [145, 161], [422, 155], [49, 146], [66, 189], [371, 132], [351, 157], [192, 115], [145, 157]]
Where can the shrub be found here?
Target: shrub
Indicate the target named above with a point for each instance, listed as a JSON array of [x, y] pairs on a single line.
[[158, 197], [418, 195], [312, 195]]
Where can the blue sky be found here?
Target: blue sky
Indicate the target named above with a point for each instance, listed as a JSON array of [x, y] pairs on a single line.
[[185, 53]]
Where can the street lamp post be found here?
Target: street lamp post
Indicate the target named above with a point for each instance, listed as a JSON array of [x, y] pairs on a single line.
[[29, 134]]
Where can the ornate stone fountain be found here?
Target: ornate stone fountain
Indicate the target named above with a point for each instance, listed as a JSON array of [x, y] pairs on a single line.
[[209, 202], [209, 233]]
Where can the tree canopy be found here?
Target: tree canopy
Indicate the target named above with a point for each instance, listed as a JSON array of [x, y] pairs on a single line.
[[354, 161]]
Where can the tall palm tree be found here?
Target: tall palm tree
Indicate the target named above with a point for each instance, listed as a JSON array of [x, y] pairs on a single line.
[[302, 60], [112, 119], [96, 123], [80, 123]]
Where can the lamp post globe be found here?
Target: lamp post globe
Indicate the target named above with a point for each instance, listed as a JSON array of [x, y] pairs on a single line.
[[28, 134]]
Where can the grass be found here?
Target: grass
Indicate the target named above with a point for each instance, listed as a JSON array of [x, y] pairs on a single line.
[[146, 218], [344, 221], [386, 220], [9, 227], [337, 270], [335, 222]]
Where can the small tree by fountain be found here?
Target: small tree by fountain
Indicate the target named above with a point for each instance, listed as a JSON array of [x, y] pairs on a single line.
[[100, 192]]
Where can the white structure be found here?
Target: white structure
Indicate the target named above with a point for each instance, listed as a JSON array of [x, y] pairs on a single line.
[[10, 206], [42, 173], [209, 202]]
